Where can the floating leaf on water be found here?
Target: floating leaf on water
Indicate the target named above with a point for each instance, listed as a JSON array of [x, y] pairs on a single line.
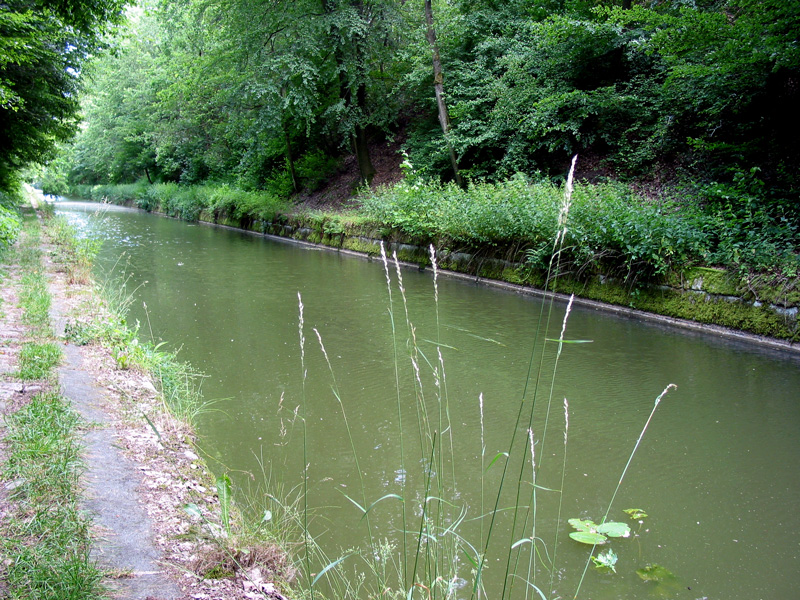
[[606, 560], [614, 529], [655, 573], [588, 537], [583, 524], [635, 513]]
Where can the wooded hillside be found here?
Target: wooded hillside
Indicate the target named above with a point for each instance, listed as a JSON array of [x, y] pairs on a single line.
[[270, 94]]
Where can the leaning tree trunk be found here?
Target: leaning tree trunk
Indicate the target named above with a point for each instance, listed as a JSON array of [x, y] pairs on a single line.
[[438, 87]]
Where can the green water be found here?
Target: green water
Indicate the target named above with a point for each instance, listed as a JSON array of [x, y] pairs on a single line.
[[717, 470]]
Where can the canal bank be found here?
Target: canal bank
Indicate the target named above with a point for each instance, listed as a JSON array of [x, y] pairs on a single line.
[[702, 300], [154, 511]]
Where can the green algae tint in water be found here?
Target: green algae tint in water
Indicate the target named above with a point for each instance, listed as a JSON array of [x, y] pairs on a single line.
[[717, 471]]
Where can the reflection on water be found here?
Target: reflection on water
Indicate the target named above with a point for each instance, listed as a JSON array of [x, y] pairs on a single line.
[[716, 472]]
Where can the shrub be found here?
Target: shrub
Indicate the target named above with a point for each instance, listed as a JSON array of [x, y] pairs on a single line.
[[9, 227]]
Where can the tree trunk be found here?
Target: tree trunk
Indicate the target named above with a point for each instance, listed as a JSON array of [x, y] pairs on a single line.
[[358, 138], [365, 166], [438, 87], [290, 159]]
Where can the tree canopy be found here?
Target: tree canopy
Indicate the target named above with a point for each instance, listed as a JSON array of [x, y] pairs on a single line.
[[267, 93], [43, 47]]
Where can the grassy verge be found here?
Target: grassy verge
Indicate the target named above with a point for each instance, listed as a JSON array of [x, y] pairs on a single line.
[[46, 537], [612, 230], [187, 202]]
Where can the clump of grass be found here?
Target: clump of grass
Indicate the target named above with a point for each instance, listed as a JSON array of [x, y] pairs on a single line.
[[37, 360], [77, 253], [46, 537]]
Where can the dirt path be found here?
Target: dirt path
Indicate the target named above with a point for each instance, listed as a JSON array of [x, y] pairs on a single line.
[[138, 476]]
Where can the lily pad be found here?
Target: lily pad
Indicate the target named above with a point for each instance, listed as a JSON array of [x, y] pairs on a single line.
[[583, 524], [614, 529], [588, 537]]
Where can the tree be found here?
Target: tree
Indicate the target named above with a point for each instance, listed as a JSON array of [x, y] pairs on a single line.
[[438, 86], [43, 46]]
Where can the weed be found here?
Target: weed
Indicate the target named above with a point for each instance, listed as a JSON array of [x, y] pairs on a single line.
[[37, 360], [46, 537]]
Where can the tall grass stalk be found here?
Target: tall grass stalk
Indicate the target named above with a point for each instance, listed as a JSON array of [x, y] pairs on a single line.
[[304, 374], [671, 386], [440, 428], [543, 323], [434, 549], [365, 507], [399, 416]]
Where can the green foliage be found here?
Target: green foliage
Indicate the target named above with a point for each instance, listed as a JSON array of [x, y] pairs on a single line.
[[606, 560], [46, 535], [588, 532], [235, 92], [611, 231], [655, 573], [43, 47], [313, 168], [37, 360], [9, 227]]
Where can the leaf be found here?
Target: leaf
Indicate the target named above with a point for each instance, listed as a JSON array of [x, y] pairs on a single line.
[[606, 560], [635, 513], [152, 426], [193, 510], [569, 341], [494, 460], [470, 559], [358, 506], [614, 529], [587, 537], [371, 506], [330, 566], [583, 524], [224, 494]]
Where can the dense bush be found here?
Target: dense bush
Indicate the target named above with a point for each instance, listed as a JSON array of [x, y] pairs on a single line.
[[188, 201], [609, 229], [9, 227]]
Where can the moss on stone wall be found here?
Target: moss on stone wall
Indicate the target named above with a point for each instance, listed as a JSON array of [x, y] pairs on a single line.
[[702, 294]]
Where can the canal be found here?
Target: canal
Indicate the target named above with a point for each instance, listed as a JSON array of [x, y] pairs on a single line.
[[426, 411]]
